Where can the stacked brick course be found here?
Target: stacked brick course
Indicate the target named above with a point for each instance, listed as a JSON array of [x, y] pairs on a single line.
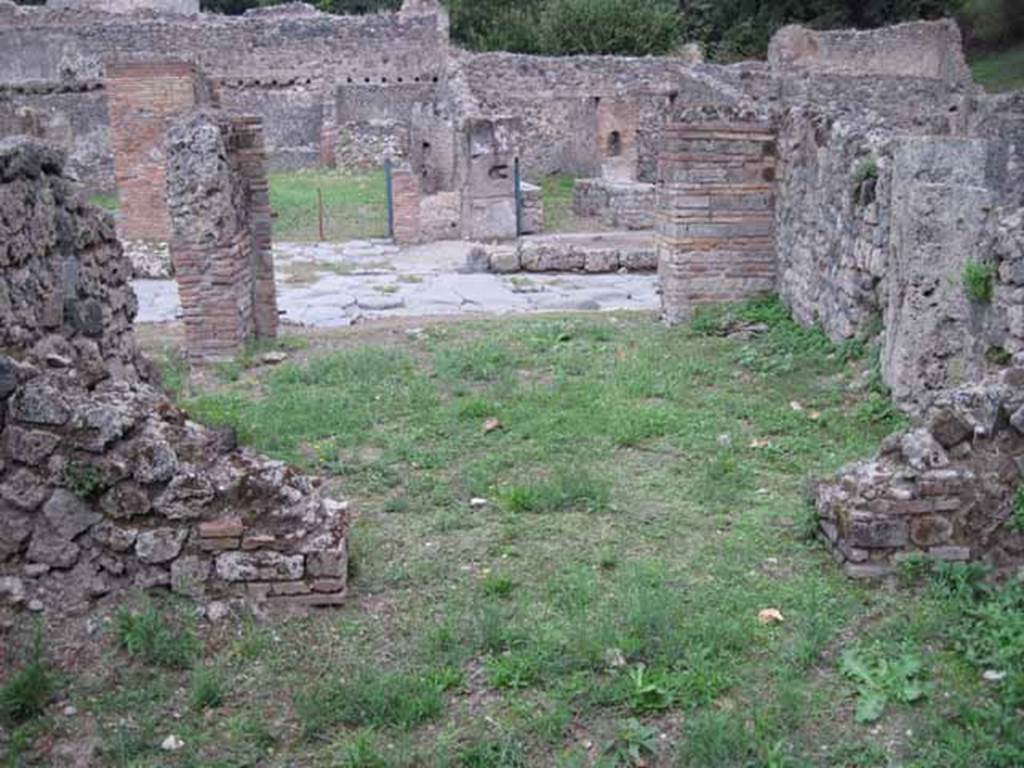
[[715, 225]]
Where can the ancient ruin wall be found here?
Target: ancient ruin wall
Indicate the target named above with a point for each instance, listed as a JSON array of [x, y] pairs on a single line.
[[278, 63], [105, 485], [929, 49]]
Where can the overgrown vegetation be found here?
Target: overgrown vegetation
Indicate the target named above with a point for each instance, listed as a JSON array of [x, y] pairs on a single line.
[[978, 279], [354, 205]]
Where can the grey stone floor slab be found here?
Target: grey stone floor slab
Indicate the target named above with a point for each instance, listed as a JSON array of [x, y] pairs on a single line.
[[334, 285]]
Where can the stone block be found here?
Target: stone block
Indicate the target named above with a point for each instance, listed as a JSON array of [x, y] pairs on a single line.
[[259, 565], [876, 532], [160, 545]]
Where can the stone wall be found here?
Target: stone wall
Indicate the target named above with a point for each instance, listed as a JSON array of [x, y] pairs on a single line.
[[105, 485], [279, 63], [219, 208], [917, 49], [619, 204]]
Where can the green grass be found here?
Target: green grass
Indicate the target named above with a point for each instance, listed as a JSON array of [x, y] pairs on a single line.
[[1000, 71], [602, 608], [355, 205], [106, 201], [556, 191]]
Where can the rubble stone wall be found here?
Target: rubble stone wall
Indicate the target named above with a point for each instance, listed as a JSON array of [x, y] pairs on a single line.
[[105, 485]]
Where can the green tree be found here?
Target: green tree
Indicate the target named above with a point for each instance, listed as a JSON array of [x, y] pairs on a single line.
[[623, 27]]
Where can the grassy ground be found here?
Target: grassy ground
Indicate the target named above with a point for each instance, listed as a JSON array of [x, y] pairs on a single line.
[[1001, 71], [558, 215], [355, 205], [645, 501]]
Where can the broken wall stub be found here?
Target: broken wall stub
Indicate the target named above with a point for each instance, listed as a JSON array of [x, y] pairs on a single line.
[[943, 490], [105, 485], [930, 49], [220, 212], [715, 228], [144, 98], [488, 154]]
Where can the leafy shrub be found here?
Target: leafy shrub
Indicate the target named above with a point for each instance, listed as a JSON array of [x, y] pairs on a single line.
[[621, 27], [978, 281], [147, 635], [27, 692]]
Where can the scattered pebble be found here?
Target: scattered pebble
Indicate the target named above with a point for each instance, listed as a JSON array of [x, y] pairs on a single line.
[[70, 711], [273, 358], [171, 744]]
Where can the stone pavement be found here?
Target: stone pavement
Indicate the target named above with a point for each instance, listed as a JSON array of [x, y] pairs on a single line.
[[334, 285]]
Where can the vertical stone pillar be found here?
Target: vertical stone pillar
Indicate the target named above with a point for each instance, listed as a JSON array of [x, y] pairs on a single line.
[[220, 246], [143, 99], [487, 158], [716, 202], [617, 121]]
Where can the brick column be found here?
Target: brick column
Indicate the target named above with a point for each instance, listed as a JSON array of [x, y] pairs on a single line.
[[143, 98], [250, 154], [218, 202], [715, 219], [405, 189]]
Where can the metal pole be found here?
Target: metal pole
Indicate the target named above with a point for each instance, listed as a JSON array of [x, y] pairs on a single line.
[[519, 200]]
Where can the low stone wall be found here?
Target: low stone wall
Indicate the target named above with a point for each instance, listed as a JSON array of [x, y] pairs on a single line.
[[916, 49], [619, 204], [603, 252], [104, 484]]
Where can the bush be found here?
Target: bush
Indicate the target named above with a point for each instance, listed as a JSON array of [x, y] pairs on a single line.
[[620, 27]]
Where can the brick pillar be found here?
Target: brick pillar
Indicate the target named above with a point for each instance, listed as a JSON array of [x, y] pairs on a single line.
[[250, 154], [217, 197], [405, 188], [143, 99], [715, 215]]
